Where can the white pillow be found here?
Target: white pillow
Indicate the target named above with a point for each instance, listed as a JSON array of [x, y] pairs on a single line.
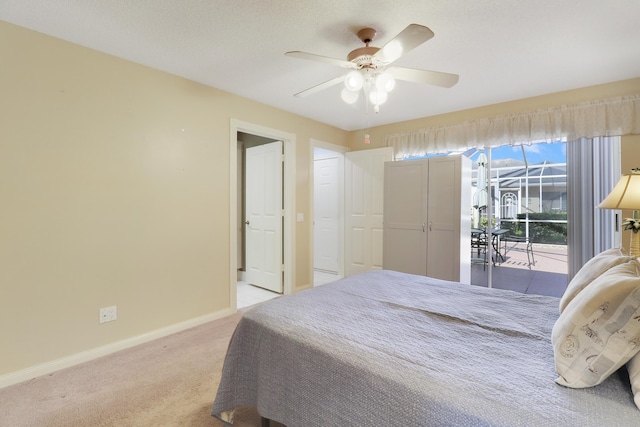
[[599, 330], [590, 271], [633, 366]]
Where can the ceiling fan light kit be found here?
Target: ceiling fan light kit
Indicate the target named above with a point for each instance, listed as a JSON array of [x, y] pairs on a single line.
[[368, 65], [375, 85]]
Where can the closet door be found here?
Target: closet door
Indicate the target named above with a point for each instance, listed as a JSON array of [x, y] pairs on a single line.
[[448, 226], [405, 216]]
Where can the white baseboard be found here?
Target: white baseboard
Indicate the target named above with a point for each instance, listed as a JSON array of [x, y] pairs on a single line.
[[85, 356]]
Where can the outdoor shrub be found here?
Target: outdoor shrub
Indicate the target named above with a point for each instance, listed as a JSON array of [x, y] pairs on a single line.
[[547, 232]]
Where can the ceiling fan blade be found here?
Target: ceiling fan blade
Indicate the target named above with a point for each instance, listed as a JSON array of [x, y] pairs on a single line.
[[320, 58], [435, 78], [409, 38], [319, 87]]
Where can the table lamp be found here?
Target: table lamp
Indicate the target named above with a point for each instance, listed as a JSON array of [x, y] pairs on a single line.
[[626, 195]]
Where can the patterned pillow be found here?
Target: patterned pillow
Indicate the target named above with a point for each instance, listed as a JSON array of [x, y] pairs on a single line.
[[599, 330], [633, 366], [590, 271]]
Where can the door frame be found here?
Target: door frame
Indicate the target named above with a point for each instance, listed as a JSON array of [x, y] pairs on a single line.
[[341, 151], [288, 194]]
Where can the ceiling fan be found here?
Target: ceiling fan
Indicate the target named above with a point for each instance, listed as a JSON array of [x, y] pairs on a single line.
[[369, 66]]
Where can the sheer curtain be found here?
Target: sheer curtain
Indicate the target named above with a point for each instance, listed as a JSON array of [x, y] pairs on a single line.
[[606, 117], [593, 169]]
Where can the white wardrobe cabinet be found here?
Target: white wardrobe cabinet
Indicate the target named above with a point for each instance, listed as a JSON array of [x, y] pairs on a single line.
[[427, 217]]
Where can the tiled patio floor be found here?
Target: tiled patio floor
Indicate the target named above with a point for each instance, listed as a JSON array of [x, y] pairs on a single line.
[[547, 276]]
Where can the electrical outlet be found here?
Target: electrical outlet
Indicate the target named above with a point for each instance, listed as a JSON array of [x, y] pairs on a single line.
[[108, 314]]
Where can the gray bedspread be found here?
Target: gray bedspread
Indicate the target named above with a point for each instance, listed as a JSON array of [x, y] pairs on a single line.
[[390, 349]]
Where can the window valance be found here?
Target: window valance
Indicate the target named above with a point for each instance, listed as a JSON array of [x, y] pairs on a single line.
[[607, 117]]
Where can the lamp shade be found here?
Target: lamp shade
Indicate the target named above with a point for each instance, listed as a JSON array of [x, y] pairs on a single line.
[[626, 193]]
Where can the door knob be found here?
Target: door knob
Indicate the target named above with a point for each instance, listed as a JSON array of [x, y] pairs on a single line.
[[247, 222]]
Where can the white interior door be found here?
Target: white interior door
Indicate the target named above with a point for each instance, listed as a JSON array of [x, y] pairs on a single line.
[[263, 216], [364, 199], [326, 221]]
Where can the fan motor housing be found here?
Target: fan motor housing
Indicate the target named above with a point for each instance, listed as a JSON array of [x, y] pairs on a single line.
[[362, 56]]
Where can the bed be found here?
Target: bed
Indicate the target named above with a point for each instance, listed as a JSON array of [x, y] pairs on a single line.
[[384, 348]]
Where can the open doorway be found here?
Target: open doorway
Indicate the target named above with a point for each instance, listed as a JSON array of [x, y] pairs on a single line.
[[328, 212], [273, 169]]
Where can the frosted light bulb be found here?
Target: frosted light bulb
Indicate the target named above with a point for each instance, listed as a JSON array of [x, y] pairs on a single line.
[[377, 97], [385, 82], [348, 96], [354, 81]]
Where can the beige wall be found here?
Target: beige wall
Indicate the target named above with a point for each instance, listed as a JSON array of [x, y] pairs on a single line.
[[630, 153], [114, 184], [630, 159]]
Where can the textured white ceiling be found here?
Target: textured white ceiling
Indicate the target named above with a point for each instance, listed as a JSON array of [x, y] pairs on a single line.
[[502, 49]]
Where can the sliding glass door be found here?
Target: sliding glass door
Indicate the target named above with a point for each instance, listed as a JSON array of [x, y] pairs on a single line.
[[519, 211]]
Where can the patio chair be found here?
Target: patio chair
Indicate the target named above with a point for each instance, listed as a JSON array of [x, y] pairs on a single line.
[[479, 243], [533, 231]]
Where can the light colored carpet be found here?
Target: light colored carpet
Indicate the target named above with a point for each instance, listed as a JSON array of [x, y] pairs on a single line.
[[171, 381]]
